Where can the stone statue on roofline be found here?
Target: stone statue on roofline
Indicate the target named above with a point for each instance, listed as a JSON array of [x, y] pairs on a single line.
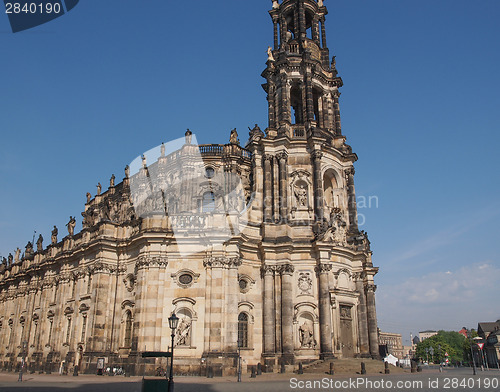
[[71, 225], [233, 139], [17, 255], [188, 136], [270, 56], [39, 243], [28, 249], [53, 236]]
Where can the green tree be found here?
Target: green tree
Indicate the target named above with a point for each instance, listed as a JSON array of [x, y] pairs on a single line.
[[444, 342], [467, 344]]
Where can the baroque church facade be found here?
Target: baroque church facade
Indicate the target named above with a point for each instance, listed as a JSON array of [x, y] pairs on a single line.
[[256, 248]]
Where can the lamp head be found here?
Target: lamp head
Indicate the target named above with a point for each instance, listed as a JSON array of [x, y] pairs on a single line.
[[173, 321]]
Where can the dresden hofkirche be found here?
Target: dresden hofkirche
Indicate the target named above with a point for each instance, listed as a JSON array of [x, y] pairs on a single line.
[[255, 247]]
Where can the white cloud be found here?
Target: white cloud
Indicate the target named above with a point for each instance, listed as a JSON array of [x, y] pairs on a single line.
[[441, 300]]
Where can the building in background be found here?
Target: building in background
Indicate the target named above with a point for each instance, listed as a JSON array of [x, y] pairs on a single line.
[[426, 334], [489, 332], [463, 332], [393, 343]]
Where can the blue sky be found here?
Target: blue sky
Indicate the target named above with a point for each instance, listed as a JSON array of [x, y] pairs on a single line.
[[84, 95]]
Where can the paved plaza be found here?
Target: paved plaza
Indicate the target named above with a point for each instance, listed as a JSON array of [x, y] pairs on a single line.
[[428, 380]]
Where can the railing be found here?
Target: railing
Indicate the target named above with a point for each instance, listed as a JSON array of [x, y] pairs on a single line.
[[299, 133], [211, 149], [294, 48], [224, 149]]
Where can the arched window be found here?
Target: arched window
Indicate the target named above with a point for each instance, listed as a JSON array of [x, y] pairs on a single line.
[[243, 330], [208, 204], [128, 330], [330, 189]]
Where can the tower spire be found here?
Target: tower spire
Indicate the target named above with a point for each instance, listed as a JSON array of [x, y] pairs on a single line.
[[302, 84]]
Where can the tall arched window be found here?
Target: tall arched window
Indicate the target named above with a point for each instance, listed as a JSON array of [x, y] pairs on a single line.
[[243, 330], [127, 342], [208, 204]]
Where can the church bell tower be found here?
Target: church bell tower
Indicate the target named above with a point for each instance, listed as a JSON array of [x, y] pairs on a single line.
[[316, 267], [302, 84]]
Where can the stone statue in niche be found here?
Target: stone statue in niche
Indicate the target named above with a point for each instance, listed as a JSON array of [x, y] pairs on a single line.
[[306, 336], [305, 283], [183, 332], [301, 195]]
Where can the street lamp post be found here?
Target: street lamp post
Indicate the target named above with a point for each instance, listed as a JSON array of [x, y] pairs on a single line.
[[239, 357], [172, 322], [480, 352], [469, 335]]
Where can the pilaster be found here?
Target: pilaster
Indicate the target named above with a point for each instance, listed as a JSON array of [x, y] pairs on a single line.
[[325, 318]]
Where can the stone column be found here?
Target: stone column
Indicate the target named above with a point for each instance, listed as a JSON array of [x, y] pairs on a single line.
[[231, 308], [364, 344], [318, 185], [351, 204], [336, 109], [282, 159], [208, 309], [309, 98], [325, 319], [287, 313], [323, 32], [321, 114], [284, 114], [372, 319], [315, 29], [271, 103], [214, 264], [302, 21], [276, 190], [329, 112], [268, 181], [268, 315], [283, 30], [101, 308], [275, 27]]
